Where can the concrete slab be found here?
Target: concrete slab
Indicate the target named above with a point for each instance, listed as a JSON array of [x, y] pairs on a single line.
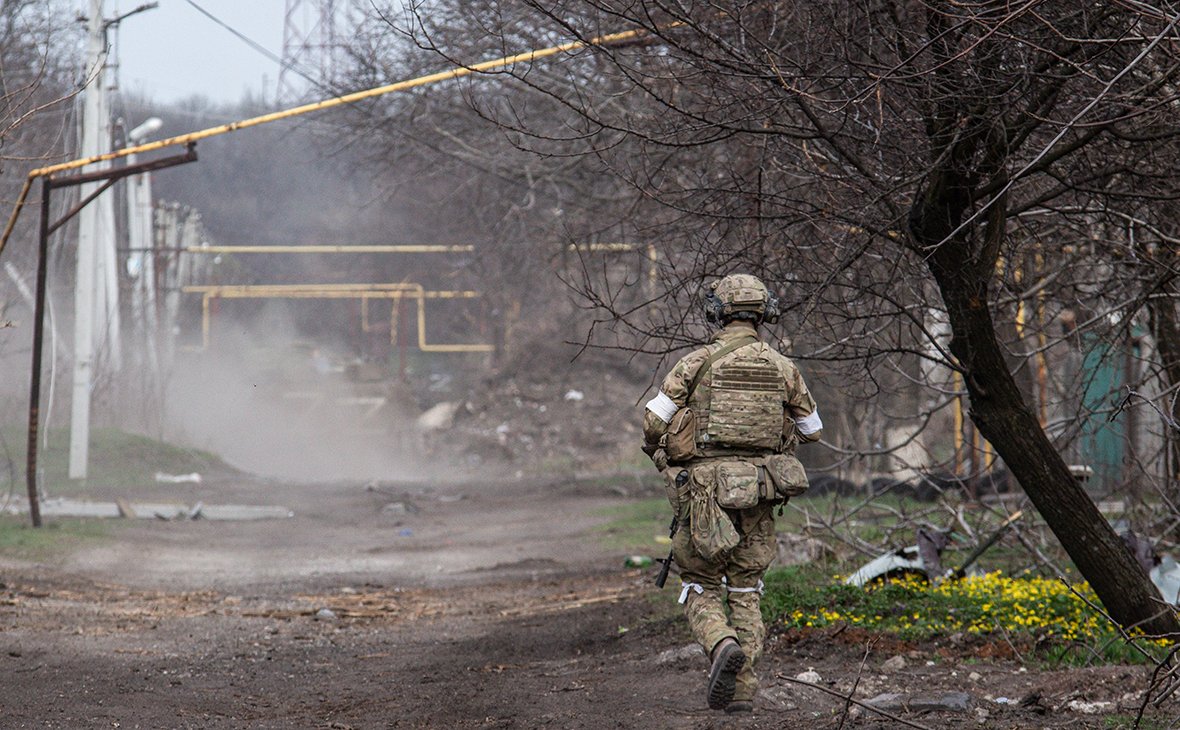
[[155, 510]]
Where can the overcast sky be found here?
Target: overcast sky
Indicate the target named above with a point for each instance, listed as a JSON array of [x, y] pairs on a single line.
[[174, 51]]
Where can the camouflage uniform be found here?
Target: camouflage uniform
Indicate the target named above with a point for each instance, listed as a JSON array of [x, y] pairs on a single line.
[[707, 586]]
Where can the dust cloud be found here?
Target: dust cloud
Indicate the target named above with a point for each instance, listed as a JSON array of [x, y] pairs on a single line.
[[272, 403]]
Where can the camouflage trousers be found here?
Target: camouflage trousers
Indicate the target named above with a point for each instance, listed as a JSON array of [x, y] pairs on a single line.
[[709, 588]]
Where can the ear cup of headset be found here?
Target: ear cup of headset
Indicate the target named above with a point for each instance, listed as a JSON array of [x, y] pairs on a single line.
[[713, 307], [772, 313]]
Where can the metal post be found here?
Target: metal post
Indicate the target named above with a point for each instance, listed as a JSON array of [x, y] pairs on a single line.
[[106, 177], [206, 324], [38, 337], [401, 339]]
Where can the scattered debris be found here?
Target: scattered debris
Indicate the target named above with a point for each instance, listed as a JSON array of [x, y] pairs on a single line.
[[125, 508], [400, 508], [1141, 548], [894, 664], [574, 395], [1089, 708], [947, 701], [439, 417], [573, 601], [891, 701], [898, 562], [925, 557], [1035, 701], [1166, 577], [1163, 571], [153, 510], [405, 532], [193, 478], [777, 696], [689, 652], [955, 702], [931, 543], [637, 561], [326, 614], [810, 676]]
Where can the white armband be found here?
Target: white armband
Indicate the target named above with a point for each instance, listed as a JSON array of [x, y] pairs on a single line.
[[686, 587], [663, 407], [810, 423]]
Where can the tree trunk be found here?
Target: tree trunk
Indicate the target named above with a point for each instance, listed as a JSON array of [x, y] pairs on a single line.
[[998, 409], [1003, 417]]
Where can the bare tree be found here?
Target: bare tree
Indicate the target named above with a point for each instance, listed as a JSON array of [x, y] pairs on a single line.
[[919, 173], [35, 84], [528, 215]]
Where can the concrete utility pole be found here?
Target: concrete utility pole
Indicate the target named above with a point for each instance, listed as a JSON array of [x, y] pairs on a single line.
[[95, 234], [96, 290]]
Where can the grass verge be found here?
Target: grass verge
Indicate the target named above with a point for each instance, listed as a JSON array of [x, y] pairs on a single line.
[[116, 459], [18, 539], [639, 526]]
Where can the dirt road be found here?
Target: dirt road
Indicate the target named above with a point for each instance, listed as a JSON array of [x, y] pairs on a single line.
[[491, 605]]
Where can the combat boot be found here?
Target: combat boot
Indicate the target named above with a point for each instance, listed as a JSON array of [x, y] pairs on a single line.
[[739, 706], [728, 659]]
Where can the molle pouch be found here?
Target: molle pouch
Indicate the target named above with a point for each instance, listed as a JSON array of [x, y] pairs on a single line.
[[713, 534], [788, 475], [737, 485], [790, 431], [680, 440], [676, 489]]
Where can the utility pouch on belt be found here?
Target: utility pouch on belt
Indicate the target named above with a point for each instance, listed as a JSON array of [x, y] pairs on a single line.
[[737, 485], [788, 475], [713, 534], [680, 440], [676, 488]]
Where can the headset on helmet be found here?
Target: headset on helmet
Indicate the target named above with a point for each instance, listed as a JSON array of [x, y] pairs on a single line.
[[740, 296]]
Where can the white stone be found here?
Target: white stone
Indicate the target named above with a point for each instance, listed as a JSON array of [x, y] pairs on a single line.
[[894, 664]]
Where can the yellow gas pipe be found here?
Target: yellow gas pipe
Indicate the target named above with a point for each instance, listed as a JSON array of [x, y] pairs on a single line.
[[193, 137]]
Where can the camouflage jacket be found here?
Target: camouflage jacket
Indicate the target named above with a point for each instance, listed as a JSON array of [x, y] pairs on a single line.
[[673, 395]]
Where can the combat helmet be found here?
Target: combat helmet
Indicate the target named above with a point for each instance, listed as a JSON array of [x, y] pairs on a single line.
[[740, 296]]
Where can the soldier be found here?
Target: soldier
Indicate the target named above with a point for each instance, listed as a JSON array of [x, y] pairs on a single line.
[[723, 429]]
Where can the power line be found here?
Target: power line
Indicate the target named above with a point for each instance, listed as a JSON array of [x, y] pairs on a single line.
[[284, 65]]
